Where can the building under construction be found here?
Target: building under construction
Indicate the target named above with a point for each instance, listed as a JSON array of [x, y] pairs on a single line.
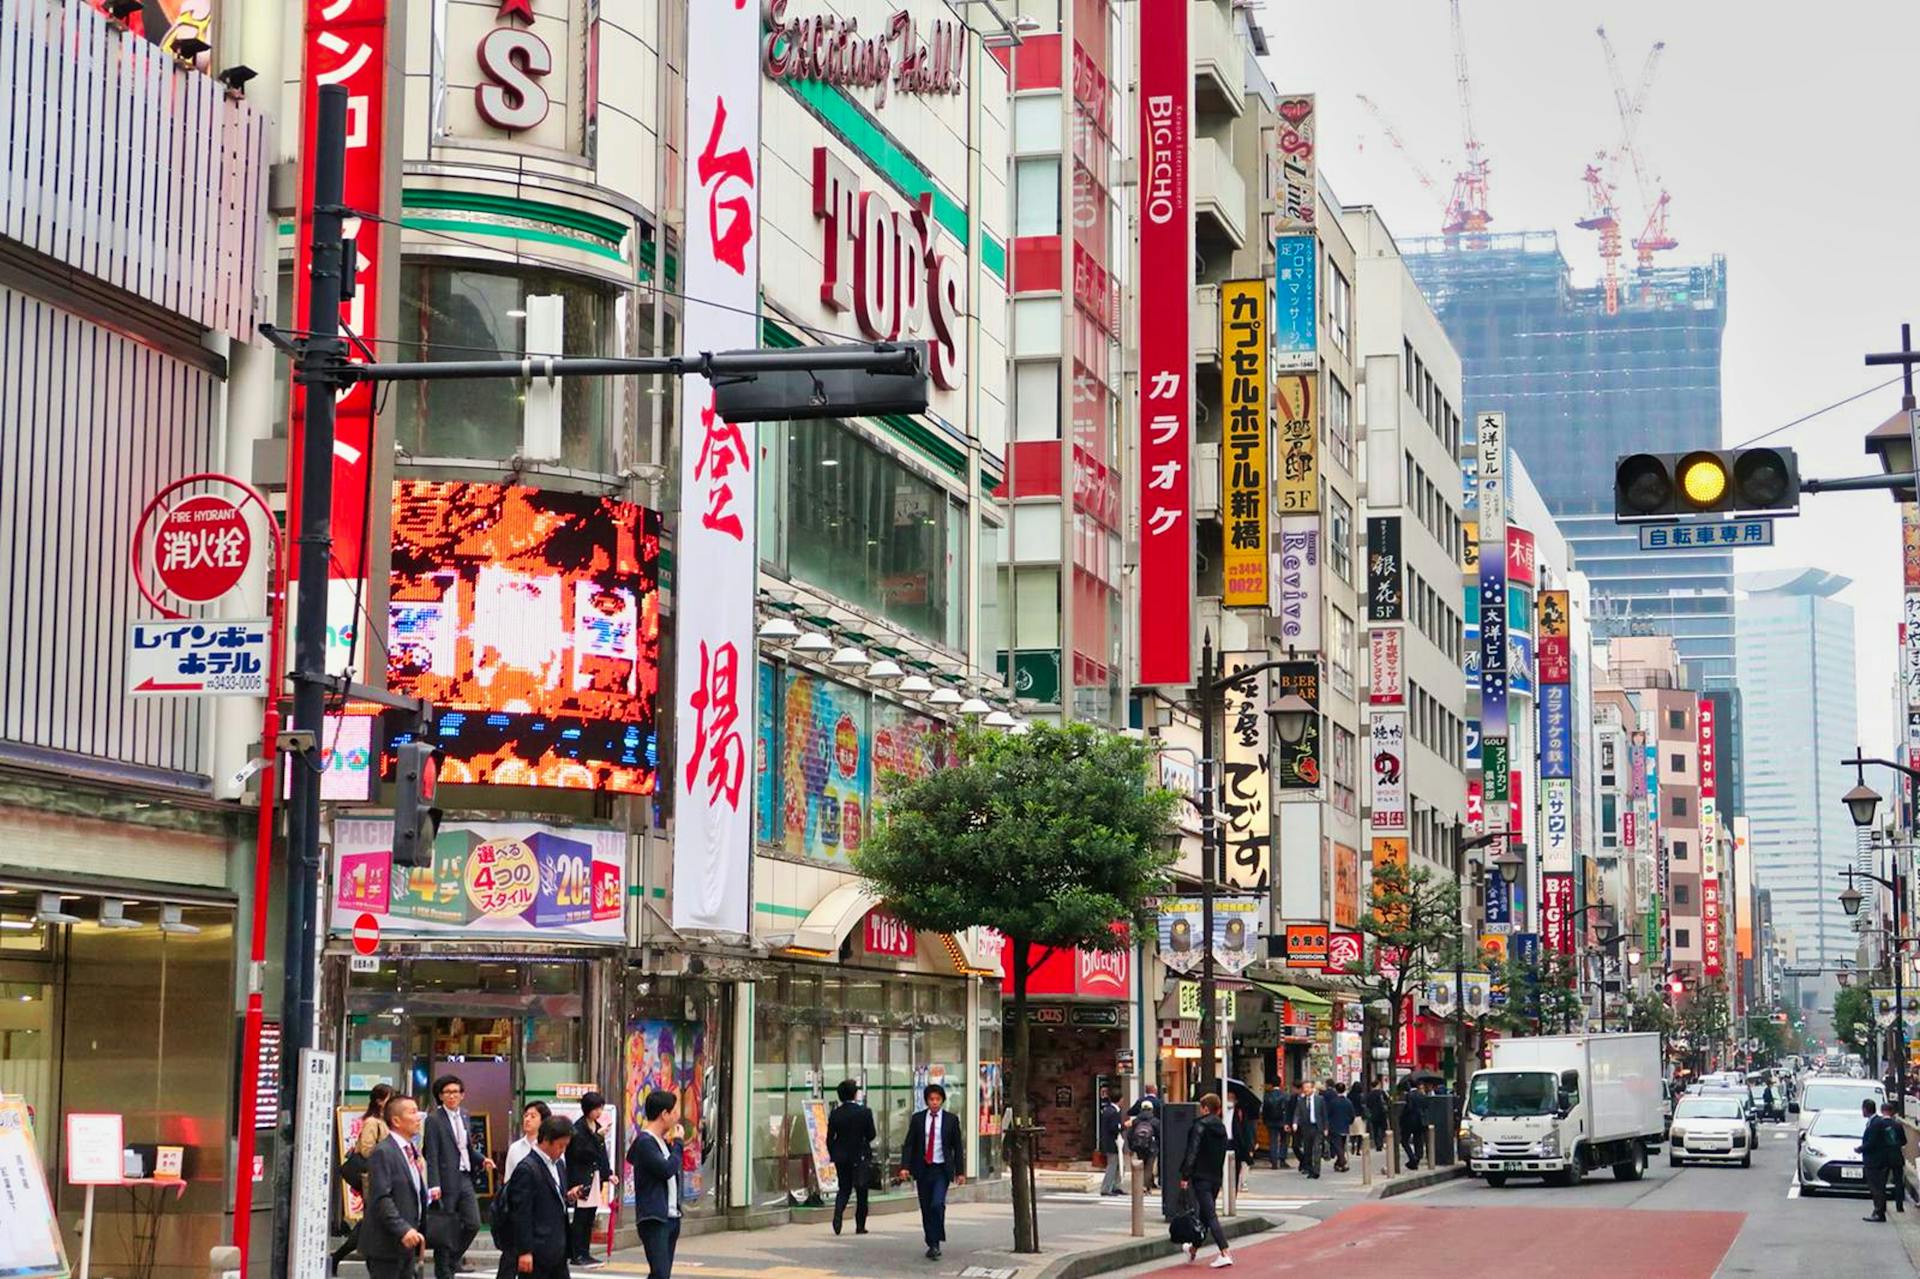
[[1584, 377]]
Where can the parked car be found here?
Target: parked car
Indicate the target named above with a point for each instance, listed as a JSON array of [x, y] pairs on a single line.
[[1710, 1129], [1834, 1092], [1830, 1157]]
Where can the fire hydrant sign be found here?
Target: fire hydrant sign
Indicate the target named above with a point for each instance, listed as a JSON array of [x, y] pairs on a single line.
[[212, 657], [201, 548]]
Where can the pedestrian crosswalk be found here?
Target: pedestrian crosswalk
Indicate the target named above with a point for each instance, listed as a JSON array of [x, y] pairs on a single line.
[[1246, 1203]]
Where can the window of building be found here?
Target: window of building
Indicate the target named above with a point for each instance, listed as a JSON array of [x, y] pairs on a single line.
[[1340, 536], [1677, 719], [1682, 938], [1340, 422], [1339, 306], [1677, 762], [1677, 807], [1609, 813], [1340, 769], [458, 312], [1036, 400], [1682, 895], [1344, 639], [1036, 197], [1679, 850], [1406, 366], [1036, 125]]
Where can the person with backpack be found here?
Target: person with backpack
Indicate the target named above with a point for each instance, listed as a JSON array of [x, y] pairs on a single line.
[[1276, 1112], [1108, 1142], [1203, 1170], [1143, 1141], [1880, 1148]]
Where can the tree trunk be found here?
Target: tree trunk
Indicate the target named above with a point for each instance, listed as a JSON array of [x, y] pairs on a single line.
[[1019, 1143]]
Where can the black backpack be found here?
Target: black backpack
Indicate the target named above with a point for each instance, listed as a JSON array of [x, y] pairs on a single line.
[[1140, 1137]]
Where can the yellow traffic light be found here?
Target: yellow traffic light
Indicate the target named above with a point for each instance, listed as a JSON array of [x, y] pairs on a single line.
[[1703, 480]]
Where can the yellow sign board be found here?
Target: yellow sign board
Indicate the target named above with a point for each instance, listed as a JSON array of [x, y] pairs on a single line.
[[1244, 464]]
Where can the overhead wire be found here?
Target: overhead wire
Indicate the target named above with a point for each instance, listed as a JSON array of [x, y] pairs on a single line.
[[1808, 417]]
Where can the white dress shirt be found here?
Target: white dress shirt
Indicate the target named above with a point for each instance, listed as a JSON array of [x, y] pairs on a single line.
[[939, 1130], [673, 1181], [519, 1150], [416, 1165]]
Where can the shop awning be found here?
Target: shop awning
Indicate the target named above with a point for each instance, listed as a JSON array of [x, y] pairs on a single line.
[[1295, 994], [829, 922]]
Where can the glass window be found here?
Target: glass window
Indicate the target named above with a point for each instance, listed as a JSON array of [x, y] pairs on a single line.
[[1340, 535], [1678, 808], [1682, 895], [1340, 770], [1340, 421], [1682, 937], [452, 312], [862, 525], [1036, 400], [1036, 125], [1339, 306], [1036, 197]]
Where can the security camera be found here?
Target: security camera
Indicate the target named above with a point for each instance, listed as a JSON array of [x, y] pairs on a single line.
[[296, 740]]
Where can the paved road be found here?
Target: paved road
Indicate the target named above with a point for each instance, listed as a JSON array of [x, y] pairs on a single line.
[[1689, 1223]]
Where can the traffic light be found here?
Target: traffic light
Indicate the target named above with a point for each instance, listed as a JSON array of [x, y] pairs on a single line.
[[1678, 986], [1667, 486], [416, 821]]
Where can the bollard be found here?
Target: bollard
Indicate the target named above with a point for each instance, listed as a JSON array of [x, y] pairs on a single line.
[[1366, 1153], [1137, 1179], [1430, 1141], [223, 1262], [1233, 1183]]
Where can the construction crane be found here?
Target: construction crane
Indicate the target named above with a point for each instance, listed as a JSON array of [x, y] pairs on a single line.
[[1601, 217], [1654, 236], [1420, 173], [1467, 208]]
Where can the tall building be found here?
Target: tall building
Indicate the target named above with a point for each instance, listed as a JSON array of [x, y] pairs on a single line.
[[1582, 384], [1797, 681]]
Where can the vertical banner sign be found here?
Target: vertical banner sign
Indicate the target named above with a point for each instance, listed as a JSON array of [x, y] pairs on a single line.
[[1743, 896], [1296, 165], [1386, 572], [1910, 545], [1556, 642], [1299, 487], [1556, 730], [346, 44], [307, 1241], [1387, 751], [1910, 643], [1496, 781], [714, 664], [1300, 762], [1556, 911], [1246, 779], [1300, 583], [1296, 328], [1493, 644], [1517, 808], [1556, 824], [1476, 807], [1709, 792], [1245, 479], [1499, 913], [1520, 556], [1166, 348], [1491, 478], [1710, 938], [1386, 678]]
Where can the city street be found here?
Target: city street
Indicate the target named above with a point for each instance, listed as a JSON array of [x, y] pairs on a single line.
[[1685, 1223]]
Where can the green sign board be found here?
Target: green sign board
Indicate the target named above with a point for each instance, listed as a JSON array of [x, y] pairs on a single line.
[[1036, 674], [1495, 764], [1653, 931]]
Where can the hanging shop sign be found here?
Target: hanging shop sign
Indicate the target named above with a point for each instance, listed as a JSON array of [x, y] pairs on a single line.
[[1386, 570], [1711, 941], [884, 934], [1245, 477], [1236, 932], [1516, 808], [1556, 730], [514, 62], [517, 881], [1709, 753], [1490, 446], [1387, 751], [1346, 950], [1520, 556], [1296, 327], [829, 49], [1476, 807], [1297, 177], [1556, 911], [1386, 680], [1300, 766], [1556, 644], [1307, 945], [1166, 347], [1387, 851], [1299, 470], [1499, 914], [886, 267], [714, 630], [1246, 778], [1556, 824], [1300, 582]]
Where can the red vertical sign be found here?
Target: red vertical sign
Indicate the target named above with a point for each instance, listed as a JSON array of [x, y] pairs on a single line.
[[1708, 750], [1556, 911], [346, 44], [1710, 930], [1166, 348], [1403, 1054]]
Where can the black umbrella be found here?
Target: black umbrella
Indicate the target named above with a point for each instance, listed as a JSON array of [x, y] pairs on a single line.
[[1243, 1096], [1419, 1077]]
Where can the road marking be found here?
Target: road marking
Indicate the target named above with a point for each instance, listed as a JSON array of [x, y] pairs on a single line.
[[1123, 1201]]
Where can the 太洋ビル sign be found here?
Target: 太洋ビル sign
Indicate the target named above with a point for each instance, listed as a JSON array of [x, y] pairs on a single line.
[[830, 49]]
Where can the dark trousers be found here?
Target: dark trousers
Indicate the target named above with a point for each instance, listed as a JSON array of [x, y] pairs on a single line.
[[1150, 1168], [1205, 1193], [853, 1184], [406, 1267], [465, 1207], [932, 1182], [660, 1239], [1413, 1141], [580, 1234], [1884, 1180], [1379, 1135], [1309, 1151], [1277, 1145], [349, 1245], [1340, 1144]]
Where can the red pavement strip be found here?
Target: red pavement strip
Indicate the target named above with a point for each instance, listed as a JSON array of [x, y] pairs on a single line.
[[1567, 1243]]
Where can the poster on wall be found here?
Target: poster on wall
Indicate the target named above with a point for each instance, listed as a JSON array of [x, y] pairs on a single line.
[[1246, 777], [1386, 571], [1296, 327], [1556, 911], [1296, 163], [1386, 674], [766, 755], [716, 538], [1301, 548], [531, 618], [672, 1056], [1346, 885], [1299, 465], [906, 745], [824, 767], [1300, 763], [520, 881], [1245, 475], [1165, 289], [1387, 766]]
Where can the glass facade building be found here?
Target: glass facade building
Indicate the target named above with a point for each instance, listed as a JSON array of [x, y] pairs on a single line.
[[1580, 386]]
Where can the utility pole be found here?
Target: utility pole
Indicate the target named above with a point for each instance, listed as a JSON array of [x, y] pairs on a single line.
[[1209, 820]]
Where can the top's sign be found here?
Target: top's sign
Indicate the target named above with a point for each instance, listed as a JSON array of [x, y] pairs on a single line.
[[831, 50]]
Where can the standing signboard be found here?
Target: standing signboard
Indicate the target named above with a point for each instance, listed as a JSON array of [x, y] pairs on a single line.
[[1245, 478], [714, 659], [1165, 578], [307, 1241]]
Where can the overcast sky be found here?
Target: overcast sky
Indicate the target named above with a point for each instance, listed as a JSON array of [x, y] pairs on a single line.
[[1765, 123]]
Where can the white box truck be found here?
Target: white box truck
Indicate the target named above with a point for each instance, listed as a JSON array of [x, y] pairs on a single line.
[[1558, 1106]]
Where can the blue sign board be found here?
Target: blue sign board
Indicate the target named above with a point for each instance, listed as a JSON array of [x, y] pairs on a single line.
[[1556, 730], [1295, 306], [1687, 537], [1520, 662], [1496, 899], [1473, 745], [1525, 947]]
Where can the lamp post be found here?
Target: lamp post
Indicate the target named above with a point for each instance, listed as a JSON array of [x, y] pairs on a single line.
[[1572, 918], [1610, 944], [1861, 802], [1290, 715], [1461, 847]]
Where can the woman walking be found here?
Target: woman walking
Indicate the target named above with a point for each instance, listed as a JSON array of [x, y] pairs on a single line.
[[1203, 1171]]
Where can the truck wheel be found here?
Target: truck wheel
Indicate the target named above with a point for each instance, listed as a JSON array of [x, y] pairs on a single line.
[[1496, 1179], [1563, 1177], [1673, 1161], [1627, 1170], [1746, 1160]]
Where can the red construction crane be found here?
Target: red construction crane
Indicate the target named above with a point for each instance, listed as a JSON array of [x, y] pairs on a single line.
[[1420, 173], [1467, 209], [1602, 218], [1654, 237]]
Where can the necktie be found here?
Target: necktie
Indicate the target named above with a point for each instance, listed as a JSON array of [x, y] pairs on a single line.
[[931, 1117], [419, 1177]]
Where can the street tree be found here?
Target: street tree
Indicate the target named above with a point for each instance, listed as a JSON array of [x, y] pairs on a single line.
[[1853, 1019], [1706, 1020], [1053, 838], [1651, 1012]]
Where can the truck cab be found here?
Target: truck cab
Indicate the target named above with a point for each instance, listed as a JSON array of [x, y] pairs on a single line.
[[1557, 1107], [1522, 1121]]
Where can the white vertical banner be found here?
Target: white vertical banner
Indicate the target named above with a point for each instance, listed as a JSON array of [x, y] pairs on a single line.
[[307, 1241], [715, 555], [1491, 445], [1387, 737]]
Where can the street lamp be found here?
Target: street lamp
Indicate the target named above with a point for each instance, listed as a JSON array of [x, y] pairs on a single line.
[[1860, 802], [1460, 850], [1850, 902]]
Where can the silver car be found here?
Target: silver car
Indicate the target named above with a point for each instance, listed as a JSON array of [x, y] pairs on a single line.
[[1709, 1130], [1830, 1156]]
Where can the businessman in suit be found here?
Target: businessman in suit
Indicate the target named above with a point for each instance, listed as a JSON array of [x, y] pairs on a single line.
[[451, 1166], [936, 1157], [532, 1225], [1309, 1127], [398, 1191]]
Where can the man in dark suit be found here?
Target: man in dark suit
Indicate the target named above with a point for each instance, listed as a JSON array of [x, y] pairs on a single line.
[[451, 1166], [850, 1134], [398, 1191], [658, 1154], [586, 1164], [936, 1157], [530, 1227], [1309, 1127], [1341, 1113], [1880, 1148], [1108, 1140]]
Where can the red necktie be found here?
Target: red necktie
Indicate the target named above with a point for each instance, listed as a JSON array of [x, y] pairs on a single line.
[[931, 1116], [420, 1180]]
